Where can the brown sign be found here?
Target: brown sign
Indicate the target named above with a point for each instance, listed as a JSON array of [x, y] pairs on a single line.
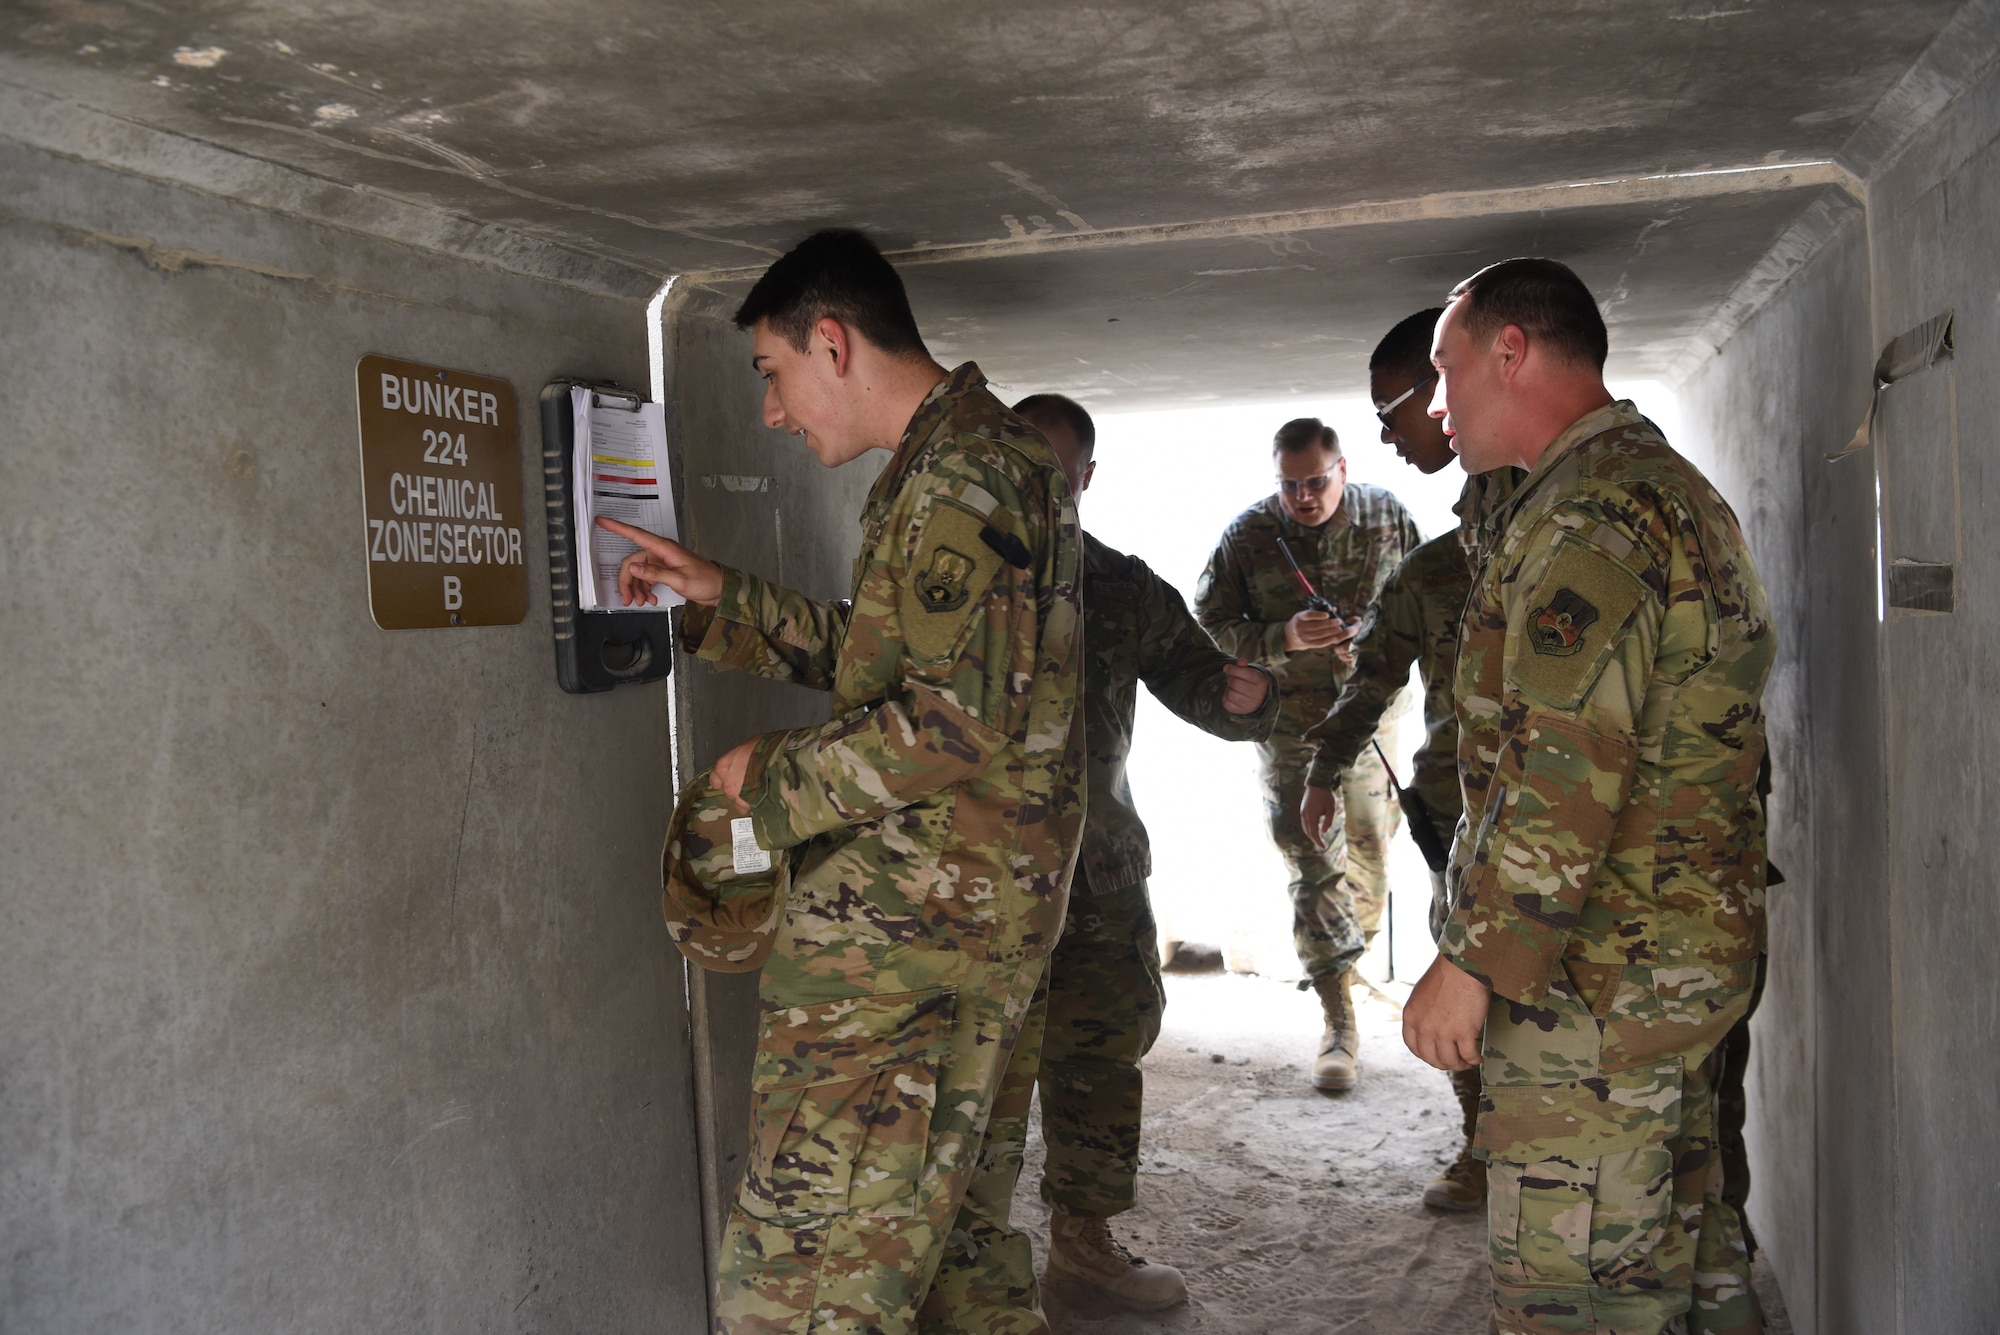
[[441, 492]]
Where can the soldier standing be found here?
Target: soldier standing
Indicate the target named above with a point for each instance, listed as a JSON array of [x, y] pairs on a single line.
[[1104, 995], [1347, 538], [932, 822], [1414, 621], [1609, 875]]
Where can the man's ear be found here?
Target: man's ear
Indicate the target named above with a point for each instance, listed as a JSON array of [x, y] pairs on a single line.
[[1089, 471], [1512, 346], [832, 339]]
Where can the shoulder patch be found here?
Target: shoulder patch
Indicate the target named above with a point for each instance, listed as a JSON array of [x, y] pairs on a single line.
[[1557, 626], [942, 585], [949, 574], [1575, 617]]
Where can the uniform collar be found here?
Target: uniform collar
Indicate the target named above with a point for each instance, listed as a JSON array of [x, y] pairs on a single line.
[[964, 379], [1596, 422], [930, 414], [1483, 498]]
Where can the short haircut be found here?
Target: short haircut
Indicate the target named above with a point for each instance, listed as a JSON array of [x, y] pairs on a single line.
[[837, 273], [1045, 410], [1407, 347], [1305, 433], [1546, 299]]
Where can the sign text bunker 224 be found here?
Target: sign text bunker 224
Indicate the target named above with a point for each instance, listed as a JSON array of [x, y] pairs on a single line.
[[441, 492]]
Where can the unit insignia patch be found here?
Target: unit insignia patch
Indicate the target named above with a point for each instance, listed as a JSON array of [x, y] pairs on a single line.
[[1558, 626], [945, 584]]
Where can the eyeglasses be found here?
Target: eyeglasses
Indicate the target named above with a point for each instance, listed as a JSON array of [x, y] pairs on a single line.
[[1313, 486], [1387, 412]]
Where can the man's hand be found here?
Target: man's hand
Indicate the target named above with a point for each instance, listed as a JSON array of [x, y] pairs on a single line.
[[729, 772], [1445, 1016], [1314, 630], [662, 561], [1247, 688], [1318, 810], [1343, 647]]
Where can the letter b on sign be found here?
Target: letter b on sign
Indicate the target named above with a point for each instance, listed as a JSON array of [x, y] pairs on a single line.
[[453, 599]]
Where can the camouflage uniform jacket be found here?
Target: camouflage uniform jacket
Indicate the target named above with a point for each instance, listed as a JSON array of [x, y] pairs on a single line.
[[1136, 628], [1610, 686], [1414, 620], [1247, 593], [942, 805]]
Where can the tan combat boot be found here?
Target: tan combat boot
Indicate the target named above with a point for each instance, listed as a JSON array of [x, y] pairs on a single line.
[[1460, 1187], [1081, 1248], [1338, 1063], [1463, 1185]]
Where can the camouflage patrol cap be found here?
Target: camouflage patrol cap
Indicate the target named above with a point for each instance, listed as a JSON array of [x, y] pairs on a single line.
[[724, 893]]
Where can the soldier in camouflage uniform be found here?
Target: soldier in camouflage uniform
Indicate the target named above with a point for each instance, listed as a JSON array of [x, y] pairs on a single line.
[[1347, 537], [932, 824], [1609, 874], [1104, 995], [1414, 621]]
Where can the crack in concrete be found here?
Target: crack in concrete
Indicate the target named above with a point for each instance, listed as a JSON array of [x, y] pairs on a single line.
[[175, 260], [456, 165]]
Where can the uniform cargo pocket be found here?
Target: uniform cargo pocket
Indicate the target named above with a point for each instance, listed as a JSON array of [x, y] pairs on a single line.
[[1563, 1224], [844, 1096]]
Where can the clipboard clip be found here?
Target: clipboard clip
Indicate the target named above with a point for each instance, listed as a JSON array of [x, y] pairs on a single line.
[[611, 389]]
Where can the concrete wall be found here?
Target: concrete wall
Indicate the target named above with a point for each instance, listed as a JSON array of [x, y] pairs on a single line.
[[1871, 1091], [1761, 416], [759, 500], [337, 997], [1934, 214]]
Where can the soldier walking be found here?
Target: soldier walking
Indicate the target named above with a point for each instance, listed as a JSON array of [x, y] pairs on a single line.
[[1415, 620], [931, 823], [1347, 537], [1608, 878], [1104, 997]]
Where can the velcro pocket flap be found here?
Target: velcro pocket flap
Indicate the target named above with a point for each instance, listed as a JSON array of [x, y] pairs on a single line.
[[851, 1038], [1581, 1119]]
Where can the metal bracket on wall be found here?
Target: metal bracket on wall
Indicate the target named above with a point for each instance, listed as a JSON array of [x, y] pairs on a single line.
[[1906, 354]]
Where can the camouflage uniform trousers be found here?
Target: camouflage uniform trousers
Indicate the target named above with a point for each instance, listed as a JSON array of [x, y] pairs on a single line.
[[1104, 1001], [1372, 817], [1326, 929], [1638, 1240], [887, 1135]]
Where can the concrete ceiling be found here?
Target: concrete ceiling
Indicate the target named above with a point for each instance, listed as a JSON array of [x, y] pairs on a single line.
[[1073, 140]]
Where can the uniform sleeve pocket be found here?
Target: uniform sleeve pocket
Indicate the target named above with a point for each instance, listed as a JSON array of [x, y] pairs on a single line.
[[1575, 618], [945, 591], [844, 1093]]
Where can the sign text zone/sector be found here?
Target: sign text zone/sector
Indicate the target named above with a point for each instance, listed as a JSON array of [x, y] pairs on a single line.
[[441, 494]]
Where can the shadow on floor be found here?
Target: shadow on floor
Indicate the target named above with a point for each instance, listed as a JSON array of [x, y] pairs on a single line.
[[1287, 1209]]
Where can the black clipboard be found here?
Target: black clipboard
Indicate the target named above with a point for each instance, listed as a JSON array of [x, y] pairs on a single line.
[[595, 651]]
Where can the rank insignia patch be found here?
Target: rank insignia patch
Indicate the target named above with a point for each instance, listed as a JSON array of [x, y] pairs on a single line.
[[944, 585], [1558, 627]]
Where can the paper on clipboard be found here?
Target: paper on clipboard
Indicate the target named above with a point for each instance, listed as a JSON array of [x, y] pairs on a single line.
[[618, 470]]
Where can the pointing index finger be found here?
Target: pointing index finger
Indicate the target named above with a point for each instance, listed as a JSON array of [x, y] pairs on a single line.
[[639, 537]]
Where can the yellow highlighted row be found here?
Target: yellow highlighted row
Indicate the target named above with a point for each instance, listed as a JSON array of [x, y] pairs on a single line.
[[614, 459]]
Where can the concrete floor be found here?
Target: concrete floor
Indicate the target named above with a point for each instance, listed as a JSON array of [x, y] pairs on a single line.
[[1289, 1210]]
